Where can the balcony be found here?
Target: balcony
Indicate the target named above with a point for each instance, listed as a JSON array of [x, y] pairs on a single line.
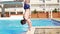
[[51, 2], [36, 2]]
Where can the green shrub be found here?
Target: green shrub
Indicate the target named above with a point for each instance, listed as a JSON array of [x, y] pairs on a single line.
[[55, 10], [34, 11]]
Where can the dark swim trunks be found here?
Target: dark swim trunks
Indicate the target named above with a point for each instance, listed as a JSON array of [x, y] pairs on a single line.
[[26, 6]]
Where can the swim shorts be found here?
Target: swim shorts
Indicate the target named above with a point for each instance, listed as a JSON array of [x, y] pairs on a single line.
[[26, 6]]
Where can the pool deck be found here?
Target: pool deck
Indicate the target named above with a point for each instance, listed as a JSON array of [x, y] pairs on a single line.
[[58, 19], [45, 27], [12, 17], [39, 29]]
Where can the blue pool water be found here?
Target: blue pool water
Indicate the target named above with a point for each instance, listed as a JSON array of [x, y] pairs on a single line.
[[15, 27]]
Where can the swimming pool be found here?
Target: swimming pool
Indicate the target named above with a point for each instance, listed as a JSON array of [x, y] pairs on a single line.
[[15, 27]]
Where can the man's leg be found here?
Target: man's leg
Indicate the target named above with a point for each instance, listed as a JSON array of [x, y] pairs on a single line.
[[29, 24], [27, 17]]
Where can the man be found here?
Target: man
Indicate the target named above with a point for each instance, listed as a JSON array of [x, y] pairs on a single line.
[[27, 14]]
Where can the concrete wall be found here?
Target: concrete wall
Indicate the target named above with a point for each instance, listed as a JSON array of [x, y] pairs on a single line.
[[45, 15], [40, 15], [56, 15]]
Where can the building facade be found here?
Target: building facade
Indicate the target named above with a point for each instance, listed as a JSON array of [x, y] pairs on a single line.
[[39, 5], [14, 6], [45, 5], [11, 6]]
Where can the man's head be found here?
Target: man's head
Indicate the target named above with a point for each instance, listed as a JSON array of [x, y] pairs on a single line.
[[23, 21]]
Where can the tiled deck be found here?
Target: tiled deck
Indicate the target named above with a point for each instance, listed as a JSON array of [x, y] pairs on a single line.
[[57, 19], [45, 30]]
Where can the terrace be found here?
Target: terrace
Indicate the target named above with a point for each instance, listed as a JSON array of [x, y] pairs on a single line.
[[13, 10]]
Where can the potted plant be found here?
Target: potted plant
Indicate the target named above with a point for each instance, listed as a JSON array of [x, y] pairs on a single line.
[[55, 10], [34, 14], [34, 11], [55, 13]]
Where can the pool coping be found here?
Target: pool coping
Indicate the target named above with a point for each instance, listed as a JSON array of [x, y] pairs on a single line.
[[56, 19], [33, 29], [18, 18]]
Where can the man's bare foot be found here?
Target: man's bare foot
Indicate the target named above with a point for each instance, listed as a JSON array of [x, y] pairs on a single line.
[[30, 29]]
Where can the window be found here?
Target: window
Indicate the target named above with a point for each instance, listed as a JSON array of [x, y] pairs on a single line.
[[0, 13], [19, 0], [19, 12], [43, 8], [6, 14], [58, 1], [48, 0], [13, 13], [44, 1], [41, 0], [58, 9]]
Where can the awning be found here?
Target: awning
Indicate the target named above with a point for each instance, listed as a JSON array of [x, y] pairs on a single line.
[[10, 2]]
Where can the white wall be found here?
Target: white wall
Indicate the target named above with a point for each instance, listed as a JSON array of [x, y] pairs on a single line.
[[41, 1], [34, 5], [38, 8], [0, 10], [51, 1], [36, 1], [6, 0], [14, 9]]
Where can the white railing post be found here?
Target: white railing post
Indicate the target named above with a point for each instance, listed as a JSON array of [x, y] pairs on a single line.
[[9, 13], [23, 6], [3, 10], [45, 6], [51, 13], [16, 9]]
